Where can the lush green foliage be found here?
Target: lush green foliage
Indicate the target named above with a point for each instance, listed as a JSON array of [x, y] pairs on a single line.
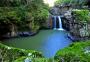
[[9, 54], [73, 3], [24, 14], [9, 17], [74, 53], [63, 1], [35, 59], [38, 13], [12, 3], [81, 15]]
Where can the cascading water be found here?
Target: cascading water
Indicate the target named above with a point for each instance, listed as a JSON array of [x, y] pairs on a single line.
[[59, 21], [55, 23]]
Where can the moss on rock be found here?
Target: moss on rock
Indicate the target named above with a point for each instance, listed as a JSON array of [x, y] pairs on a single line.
[[9, 54], [74, 53]]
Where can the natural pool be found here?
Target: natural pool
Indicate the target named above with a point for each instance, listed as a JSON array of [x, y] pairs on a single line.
[[46, 41]]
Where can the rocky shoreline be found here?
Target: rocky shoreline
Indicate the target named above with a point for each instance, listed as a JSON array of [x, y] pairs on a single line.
[[75, 38], [20, 34]]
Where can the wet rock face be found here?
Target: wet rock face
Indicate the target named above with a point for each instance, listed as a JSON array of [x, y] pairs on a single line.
[[88, 3], [80, 30], [68, 15], [60, 10], [84, 31], [64, 12], [55, 11], [76, 28]]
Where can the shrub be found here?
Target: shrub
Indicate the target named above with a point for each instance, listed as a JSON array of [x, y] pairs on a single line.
[[74, 53], [81, 15], [9, 54]]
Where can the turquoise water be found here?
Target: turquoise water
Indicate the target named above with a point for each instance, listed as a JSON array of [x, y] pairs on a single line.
[[46, 41]]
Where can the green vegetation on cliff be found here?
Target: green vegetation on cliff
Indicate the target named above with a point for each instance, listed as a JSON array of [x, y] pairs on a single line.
[[73, 3], [9, 54], [22, 15], [76, 52], [81, 15]]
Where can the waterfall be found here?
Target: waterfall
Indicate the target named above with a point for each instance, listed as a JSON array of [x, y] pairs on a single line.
[[55, 23], [59, 23]]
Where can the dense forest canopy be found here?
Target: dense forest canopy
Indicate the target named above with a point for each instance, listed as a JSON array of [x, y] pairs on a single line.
[[18, 15]]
